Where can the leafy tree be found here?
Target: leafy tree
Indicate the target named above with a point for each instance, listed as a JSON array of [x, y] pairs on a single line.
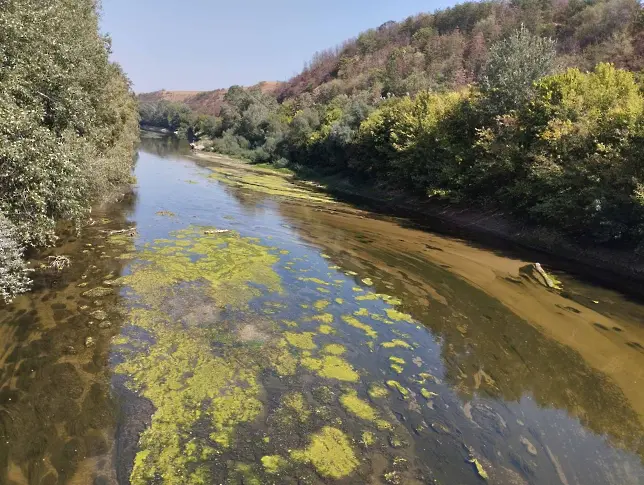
[[68, 120], [513, 66]]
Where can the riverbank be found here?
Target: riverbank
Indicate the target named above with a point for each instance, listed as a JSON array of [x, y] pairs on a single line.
[[623, 270]]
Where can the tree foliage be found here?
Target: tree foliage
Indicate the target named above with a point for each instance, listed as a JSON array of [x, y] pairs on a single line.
[[68, 118], [480, 103]]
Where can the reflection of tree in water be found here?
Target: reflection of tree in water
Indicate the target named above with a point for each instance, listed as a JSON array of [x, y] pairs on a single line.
[[485, 348], [55, 404], [163, 145]]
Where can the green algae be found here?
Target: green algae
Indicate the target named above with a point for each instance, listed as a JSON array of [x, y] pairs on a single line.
[[176, 369], [317, 281], [367, 281], [214, 389], [362, 312], [326, 329], [282, 360], [326, 318], [330, 453], [246, 472], [397, 368], [273, 463], [302, 341], [479, 468], [397, 360], [380, 318], [296, 403], [427, 394], [323, 290], [266, 183], [377, 391], [367, 438], [321, 304], [356, 406], [395, 385], [396, 343], [290, 323], [231, 266], [331, 367], [397, 316], [357, 289], [334, 349], [339, 301], [354, 322], [379, 296]]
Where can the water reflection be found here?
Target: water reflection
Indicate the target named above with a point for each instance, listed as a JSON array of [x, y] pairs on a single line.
[[57, 415]]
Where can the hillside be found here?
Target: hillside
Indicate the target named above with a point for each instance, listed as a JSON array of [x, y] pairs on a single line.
[[531, 107], [203, 102], [449, 48]]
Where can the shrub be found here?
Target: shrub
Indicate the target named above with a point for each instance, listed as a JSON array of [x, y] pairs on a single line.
[[13, 271]]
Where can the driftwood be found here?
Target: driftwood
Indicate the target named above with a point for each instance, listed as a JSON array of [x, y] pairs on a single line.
[[544, 275]]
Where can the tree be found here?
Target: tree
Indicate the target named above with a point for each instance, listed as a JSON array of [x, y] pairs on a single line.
[[68, 118], [513, 66]]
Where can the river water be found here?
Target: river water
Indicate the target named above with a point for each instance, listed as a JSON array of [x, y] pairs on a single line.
[[225, 325]]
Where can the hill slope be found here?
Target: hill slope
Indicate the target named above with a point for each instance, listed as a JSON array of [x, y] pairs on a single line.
[[203, 102]]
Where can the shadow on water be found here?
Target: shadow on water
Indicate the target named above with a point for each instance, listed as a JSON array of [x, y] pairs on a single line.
[[264, 336], [57, 415]]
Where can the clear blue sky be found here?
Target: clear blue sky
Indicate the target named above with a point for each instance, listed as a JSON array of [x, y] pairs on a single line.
[[209, 44]]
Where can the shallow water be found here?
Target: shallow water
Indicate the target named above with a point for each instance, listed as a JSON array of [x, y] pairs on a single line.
[[256, 331]]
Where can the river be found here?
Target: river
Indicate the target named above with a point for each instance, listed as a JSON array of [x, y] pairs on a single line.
[[226, 325]]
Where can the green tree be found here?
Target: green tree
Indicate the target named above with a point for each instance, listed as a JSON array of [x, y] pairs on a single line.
[[68, 118], [513, 66]]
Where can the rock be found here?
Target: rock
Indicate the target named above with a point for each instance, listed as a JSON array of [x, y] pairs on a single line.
[[105, 324], [89, 342], [530, 448], [99, 315], [98, 292], [82, 285], [70, 350]]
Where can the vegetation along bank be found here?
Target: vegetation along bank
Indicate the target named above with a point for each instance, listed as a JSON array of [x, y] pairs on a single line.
[[531, 108], [68, 125]]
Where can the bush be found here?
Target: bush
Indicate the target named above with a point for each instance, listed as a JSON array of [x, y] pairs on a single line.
[[13, 271]]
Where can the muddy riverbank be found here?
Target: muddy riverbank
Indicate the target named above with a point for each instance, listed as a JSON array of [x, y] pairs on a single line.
[[615, 267]]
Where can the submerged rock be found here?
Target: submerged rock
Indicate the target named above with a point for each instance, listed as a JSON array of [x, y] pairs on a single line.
[[89, 342]]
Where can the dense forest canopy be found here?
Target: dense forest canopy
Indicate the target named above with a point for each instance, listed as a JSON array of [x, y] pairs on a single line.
[[68, 124], [531, 106]]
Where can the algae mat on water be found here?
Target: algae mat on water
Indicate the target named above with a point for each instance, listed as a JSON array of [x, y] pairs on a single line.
[[175, 367], [201, 370]]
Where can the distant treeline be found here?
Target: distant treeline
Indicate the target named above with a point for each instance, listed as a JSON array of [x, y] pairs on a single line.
[[479, 104], [68, 124]]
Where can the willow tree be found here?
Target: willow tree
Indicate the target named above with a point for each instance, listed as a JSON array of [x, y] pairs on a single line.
[[68, 118]]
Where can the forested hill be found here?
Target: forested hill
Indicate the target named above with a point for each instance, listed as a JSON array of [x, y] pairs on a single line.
[[204, 102], [533, 107], [448, 49]]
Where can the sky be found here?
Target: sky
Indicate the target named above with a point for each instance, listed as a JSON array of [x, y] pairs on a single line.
[[200, 45]]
